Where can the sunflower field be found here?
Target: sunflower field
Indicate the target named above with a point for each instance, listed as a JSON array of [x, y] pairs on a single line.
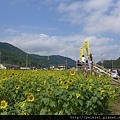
[[52, 92]]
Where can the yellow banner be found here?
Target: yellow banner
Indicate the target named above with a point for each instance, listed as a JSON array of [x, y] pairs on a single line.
[[86, 44], [81, 52]]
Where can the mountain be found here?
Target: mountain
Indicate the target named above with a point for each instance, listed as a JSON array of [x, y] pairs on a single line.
[[111, 64], [10, 54]]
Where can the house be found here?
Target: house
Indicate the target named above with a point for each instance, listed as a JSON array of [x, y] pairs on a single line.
[[9, 66], [61, 67], [52, 67], [2, 66]]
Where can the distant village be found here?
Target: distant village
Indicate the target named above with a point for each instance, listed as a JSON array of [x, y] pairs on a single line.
[[17, 67]]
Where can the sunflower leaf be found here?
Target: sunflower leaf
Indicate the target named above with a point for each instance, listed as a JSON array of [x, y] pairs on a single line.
[[43, 111]]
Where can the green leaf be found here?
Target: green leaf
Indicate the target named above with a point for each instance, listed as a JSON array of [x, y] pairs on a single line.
[[81, 102], [76, 104], [94, 99], [67, 112], [45, 100], [58, 92], [52, 104], [56, 113], [65, 105], [16, 91], [70, 97], [99, 103], [63, 97], [4, 113], [89, 103], [43, 111]]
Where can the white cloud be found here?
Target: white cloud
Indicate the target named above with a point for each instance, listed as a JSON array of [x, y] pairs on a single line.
[[97, 5], [35, 42], [92, 16], [96, 16], [64, 45], [99, 23]]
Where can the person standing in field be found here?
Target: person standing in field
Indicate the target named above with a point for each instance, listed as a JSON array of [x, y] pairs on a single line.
[[118, 70], [87, 65], [91, 60], [83, 59], [83, 62]]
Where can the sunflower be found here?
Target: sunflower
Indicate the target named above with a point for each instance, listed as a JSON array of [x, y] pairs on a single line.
[[38, 89], [49, 90], [60, 81], [90, 88], [102, 91], [16, 74], [72, 72], [81, 85], [17, 87], [78, 95], [3, 78], [66, 82], [30, 98], [89, 80], [28, 81], [61, 112], [3, 105], [70, 81], [13, 74], [22, 104], [44, 82]]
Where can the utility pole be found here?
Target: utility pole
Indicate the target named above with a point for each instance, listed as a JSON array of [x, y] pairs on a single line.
[[102, 61], [0, 57], [48, 55], [112, 63], [66, 64], [26, 60]]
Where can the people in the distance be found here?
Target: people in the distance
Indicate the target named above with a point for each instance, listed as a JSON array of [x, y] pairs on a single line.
[[83, 59], [118, 70], [91, 60], [87, 65], [78, 63]]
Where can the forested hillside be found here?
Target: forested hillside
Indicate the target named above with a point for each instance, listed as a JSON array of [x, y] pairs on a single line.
[[13, 55]]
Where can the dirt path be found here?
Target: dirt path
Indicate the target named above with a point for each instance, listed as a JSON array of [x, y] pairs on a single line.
[[116, 107]]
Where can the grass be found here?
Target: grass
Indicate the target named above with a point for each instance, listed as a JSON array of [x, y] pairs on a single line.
[[114, 105]]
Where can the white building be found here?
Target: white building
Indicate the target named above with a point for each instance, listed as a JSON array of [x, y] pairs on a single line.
[[2, 66]]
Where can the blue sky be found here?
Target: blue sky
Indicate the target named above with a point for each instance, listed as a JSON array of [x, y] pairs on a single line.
[[59, 27]]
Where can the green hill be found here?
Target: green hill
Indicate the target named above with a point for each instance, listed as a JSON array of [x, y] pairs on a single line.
[[10, 54], [111, 64], [15, 56]]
